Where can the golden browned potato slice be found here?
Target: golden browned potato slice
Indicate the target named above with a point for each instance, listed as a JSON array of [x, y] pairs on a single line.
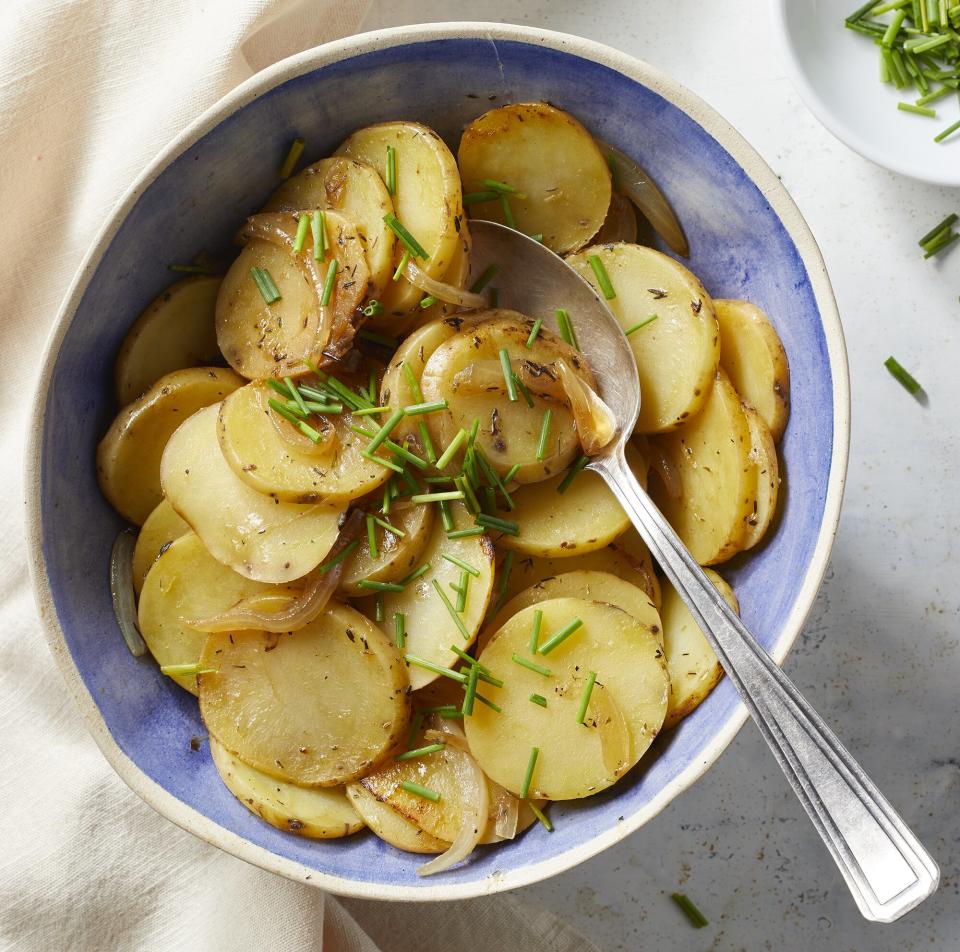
[[428, 198], [259, 446], [356, 191], [391, 826], [677, 354], [288, 704], [256, 535], [625, 711], [160, 529], [755, 361], [718, 479], [397, 556], [551, 160], [763, 452], [691, 663], [128, 457], [184, 584], [175, 332], [318, 813], [509, 431], [276, 340]]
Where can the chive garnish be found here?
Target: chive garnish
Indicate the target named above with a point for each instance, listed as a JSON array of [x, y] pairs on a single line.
[[538, 237], [451, 450], [386, 463], [945, 225], [400, 629], [428, 301], [318, 226], [460, 564], [501, 525], [371, 585], [404, 261], [469, 496], [462, 590], [328, 283], [538, 699], [303, 226], [488, 702], [293, 156], [508, 375], [531, 665], [505, 570], [486, 674], [544, 434], [485, 278], [528, 777], [275, 384], [435, 668], [508, 218], [447, 496], [417, 408], [406, 239], [541, 816], [558, 637], [511, 473], [572, 474], [470, 696], [697, 919], [457, 620], [399, 533], [524, 392], [535, 630], [639, 324], [614, 172], [416, 573], [585, 697], [465, 533], [264, 282], [501, 187], [565, 326], [420, 752], [341, 556], [603, 279], [949, 131], [391, 170], [372, 537], [420, 791], [373, 308], [185, 670], [476, 198], [909, 383], [534, 332], [917, 110], [295, 393], [385, 430], [288, 414]]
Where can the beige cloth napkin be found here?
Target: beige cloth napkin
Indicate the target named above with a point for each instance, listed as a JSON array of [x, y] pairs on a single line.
[[90, 90]]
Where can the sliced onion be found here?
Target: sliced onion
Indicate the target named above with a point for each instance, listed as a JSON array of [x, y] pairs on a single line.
[[448, 293], [506, 811], [596, 424], [273, 611], [665, 468], [620, 223], [640, 188], [121, 590]]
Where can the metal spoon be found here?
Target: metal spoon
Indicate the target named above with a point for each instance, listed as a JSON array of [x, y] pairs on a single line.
[[887, 869]]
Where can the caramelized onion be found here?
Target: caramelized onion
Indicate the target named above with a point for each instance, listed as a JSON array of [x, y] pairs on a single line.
[[664, 467], [448, 293], [596, 425], [620, 223]]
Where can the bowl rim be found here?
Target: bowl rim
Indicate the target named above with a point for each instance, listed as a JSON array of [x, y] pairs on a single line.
[[816, 104], [773, 191]]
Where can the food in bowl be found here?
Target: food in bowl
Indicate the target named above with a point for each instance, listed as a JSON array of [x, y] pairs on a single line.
[[370, 546]]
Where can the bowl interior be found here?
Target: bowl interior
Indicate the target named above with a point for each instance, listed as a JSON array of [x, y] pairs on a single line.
[[740, 249], [837, 72]]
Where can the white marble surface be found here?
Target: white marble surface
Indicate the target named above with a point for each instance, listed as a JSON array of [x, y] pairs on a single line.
[[880, 656]]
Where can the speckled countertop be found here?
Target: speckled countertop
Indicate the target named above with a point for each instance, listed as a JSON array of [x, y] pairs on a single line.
[[880, 656]]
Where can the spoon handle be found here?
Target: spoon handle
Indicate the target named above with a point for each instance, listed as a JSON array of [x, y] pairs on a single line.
[[885, 866]]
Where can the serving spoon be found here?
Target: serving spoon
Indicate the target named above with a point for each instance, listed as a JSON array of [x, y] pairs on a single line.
[[885, 866]]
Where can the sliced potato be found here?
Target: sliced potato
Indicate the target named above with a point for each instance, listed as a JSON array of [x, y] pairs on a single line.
[[184, 584], [755, 361], [276, 340], [396, 556], [678, 353], [175, 332], [159, 530], [318, 813], [763, 452], [573, 761], [256, 535], [428, 199], [391, 826], [254, 444], [356, 191], [509, 430], [718, 479], [693, 667], [128, 457], [547, 157], [287, 704]]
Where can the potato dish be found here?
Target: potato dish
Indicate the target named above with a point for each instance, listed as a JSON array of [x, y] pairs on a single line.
[[368, 543]]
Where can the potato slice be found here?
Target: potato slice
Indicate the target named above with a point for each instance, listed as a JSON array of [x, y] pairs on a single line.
[[161, 528], [258, 452], [711, 454], [128, 457], [693, 667], [428, 199], [256, 535], [631, 679], [356, 191], [430, 630], [288, 704], [275, 340], [390, 826], [763, 452], [509, 431], [548, 157], [396, 557], [678, 353], [175, 332], [756, 363], [186, 583], [317, 813]]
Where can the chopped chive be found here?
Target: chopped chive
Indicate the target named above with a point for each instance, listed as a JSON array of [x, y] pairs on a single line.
[[451, 450], [416, 573], [416, 722], [427, 442], [488, 702], [486, 674], [418, 408], [460, 564], [457, 620], [558, 637], [893, 29], [462, 589], [534, 333], [371, 585], [485, 278], [501, 187], [465, 533], [471, 694], [400, 629], [538, 237], [428, 301], [386, 463], [501, 525], [185, 670], [437, 480], [420, 791], [328, 283], [531, 665], [924, 46], [404, 261], [372, 537], [541, 816], [538, 699], [420, 752], [936, 247], [406, 239], [572, 474], [318, 226], [399, 533], [505, 570], [412, 382], [385, 430], [639, 324], [528, 777], [476, 198], [391, 170], [949, 131], [293, 156], [288, 414], [511, 473], [508, 375], [535, 630], [315, 407], [469, 496], [341, 556], [544, 434], [447, 496], [603, 279], [524, 392], [381, 339], [278, 386], [387, 497], [435, 668], [394, 448], [614, 172], [909, 383], [508, 218], [585, 697], [440, 709], [917, 110], [945, 225], [565, 326], [264, 282], [697, 919], [303, 226], [295, 393], [446, 516], [373, 308]]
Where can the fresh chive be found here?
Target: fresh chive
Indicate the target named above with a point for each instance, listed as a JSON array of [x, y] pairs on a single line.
[[427, 442], [457, 620], [936, 247], [371, 585], [531, 665], [400, 629], [565, 326], [420, 791], [917, 110], [538, 237], [381, 339], [489, 703], [501, 187], [603, 279], [486, 675], [440, 709], [373, 309], [264, 282], [303, 226], [469, 496], [399, 533], [394, 448], [535, 630], [341, 556], [934, 95], [447, 496], [465, 533], [328, 283], [505, 571], [385, 430], [639, 324], [508, 375], [428, 301], [315, 407], [508, 218], [372, 537], [511, 473], [585, 697], [544, 434], [910, 384], [275, 384], [924, 46], [387, 497], [477, 198], [416, 722], [451, 450], [614, 172], [391, 170], [485, 278], [185, 670], [524, 392], [460, 564], [528, 777], [406, 239], [420, 752], [538, 699], [541, 816], [293, 156], [404, 261], [435, 668], [949, 131], [471, 694], [697, 919], [446, 515], [318, 226], [534, 333], [417, 408], [416, 573], [462, 589], [500, 525], [295, 393], [558, 637], [290, 417], [386, 463], [572, 474], [893, 29]]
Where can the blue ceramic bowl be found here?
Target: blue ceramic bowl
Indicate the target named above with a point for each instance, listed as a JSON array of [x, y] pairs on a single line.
[[748, 241]]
